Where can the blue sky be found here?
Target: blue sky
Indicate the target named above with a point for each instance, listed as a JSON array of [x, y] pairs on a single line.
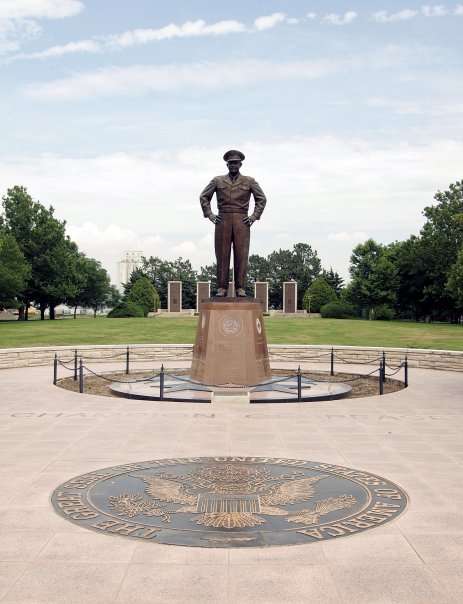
[[118, 114]]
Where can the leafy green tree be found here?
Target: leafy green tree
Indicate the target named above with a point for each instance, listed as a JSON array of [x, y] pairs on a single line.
[[14, 271], [441, 240], [455, 282], [258, 270], [143, 294], [114, 297], [97, 287], [160, 272], [318, 294], [374, 277], [46, 248], [334, 280], [301, 264]]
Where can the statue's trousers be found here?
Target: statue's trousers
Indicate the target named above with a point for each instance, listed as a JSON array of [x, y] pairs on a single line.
[[231, 230]]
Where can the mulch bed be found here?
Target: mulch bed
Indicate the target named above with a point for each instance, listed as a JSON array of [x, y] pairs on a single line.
[[362, 387]]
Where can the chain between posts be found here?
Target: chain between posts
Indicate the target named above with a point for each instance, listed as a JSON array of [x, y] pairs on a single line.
[[78, 372]]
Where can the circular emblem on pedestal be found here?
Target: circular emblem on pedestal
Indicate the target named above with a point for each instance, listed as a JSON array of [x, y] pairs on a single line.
[[230, 326], [229, 501], [258, 326]]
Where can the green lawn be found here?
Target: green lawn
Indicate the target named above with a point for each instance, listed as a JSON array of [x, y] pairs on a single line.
[[279, 331]]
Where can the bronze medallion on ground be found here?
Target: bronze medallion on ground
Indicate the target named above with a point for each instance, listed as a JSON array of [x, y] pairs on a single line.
[[229, 501]]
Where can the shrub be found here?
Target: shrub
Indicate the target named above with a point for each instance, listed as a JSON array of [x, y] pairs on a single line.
[[317, 295], [143, 294], [383, 313], [337, 310], [126, 309]]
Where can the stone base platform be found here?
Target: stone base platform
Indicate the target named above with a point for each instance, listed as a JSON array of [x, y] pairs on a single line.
[[231, 346]]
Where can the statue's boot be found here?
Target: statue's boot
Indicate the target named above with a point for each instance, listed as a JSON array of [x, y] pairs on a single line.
[[241, 293], [221, 293]]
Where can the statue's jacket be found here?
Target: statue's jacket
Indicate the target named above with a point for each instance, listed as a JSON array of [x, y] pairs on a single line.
[[233, 196]]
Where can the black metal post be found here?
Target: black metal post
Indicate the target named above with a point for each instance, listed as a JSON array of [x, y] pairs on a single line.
[[161, 383], [299, 383], [127, 361], [75, 365], [406, 372], [384, 366], [81, 376], [332, 362], [381, 382], [55, 369]]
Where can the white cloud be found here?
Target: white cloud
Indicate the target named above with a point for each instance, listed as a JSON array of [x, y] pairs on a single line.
[[140, 79], [18, 19], [292, 21], [355, 236], [337, 19], [333, 187], [189, 29], [39, 9], [14, 31], [459, 10], [138, 37], [436, 10], [89, 46], [402, 15], [311, 16], [429, 107], [269, 21]]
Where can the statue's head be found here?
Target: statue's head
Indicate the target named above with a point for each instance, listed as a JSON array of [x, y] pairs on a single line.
[[234, 160]]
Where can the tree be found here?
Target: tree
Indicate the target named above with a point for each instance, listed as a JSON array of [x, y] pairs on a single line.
[[455, 282], [43, 241], [258, 270], [441, 240], [142, 293], [318, 294], [97, 286], [114, 297], [14, 271], [160, 272], [374, 277], [301, 264], [334, 280]]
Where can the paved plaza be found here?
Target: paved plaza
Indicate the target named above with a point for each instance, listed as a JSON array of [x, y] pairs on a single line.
[[412, 437]]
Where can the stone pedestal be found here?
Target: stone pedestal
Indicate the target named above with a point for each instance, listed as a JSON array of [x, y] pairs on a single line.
[[261, 293], [174, 296], [203, 292], [290, 297], [231, 346]]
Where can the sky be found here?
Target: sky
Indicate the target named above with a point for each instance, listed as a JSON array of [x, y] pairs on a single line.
[[118, 114]]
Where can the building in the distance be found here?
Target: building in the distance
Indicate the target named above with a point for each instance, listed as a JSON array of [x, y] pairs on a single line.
[[130, 261]]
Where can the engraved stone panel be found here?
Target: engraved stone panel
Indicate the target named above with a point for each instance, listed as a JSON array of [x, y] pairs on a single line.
[[174, 296], [290, 297], [261, 293], [203, 292]]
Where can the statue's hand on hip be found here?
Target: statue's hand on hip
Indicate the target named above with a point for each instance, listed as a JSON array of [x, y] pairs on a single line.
[[249, 220], [215, 218]]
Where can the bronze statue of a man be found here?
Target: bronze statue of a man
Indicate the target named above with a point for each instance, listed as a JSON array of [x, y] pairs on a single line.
[[232, 223]]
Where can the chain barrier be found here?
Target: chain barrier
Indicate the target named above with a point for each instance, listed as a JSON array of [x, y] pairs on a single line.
[[103, 377], [78, 371], [359, 377]]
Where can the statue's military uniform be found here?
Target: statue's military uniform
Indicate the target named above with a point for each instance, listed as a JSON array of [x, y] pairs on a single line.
[[233, 204]]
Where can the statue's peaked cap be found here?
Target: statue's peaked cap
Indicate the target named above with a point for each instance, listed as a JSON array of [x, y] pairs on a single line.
[[233, 154]]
